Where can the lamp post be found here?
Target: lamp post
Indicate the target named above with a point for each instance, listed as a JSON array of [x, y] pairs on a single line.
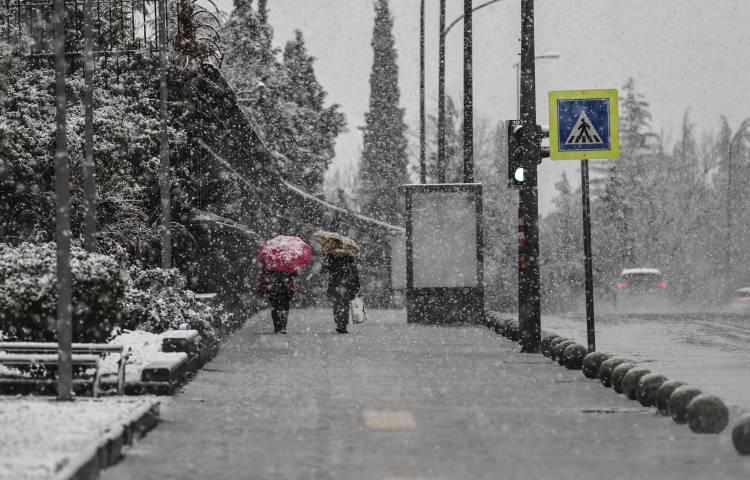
[[62, 214], [441, 167], [164, 182], [468, 97], [468, 137], [422, 136]]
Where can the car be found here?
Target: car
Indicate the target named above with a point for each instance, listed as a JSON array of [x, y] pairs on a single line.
[[740, 300], [641, 289]]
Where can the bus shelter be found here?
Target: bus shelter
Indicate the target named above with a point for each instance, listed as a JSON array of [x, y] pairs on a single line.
[[444, 273]]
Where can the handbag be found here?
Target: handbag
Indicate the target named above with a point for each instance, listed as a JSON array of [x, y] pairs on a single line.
[[359, 312]]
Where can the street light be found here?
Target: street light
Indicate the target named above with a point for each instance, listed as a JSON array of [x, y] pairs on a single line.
[[468, 88], [517, 65]]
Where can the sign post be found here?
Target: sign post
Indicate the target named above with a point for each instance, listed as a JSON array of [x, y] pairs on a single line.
[[584, 124]]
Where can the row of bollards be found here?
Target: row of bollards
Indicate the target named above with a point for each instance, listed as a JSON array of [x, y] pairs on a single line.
[[685, 404]]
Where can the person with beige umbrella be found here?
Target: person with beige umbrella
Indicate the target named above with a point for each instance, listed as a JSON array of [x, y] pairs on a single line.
[[343, 276]]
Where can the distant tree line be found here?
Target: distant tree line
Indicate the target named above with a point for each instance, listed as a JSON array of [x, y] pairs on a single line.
[[684, 211]]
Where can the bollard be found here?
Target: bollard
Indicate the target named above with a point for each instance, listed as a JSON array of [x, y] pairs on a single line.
[[545, 345], [605, 371], [553, 343], [678, 402], [513, 332], [506, 327], [707, 414], [631, 379], [741, 435], [648, 385], [592, 362], [573, 356], [618, 374], [663, 394], [559, 348]]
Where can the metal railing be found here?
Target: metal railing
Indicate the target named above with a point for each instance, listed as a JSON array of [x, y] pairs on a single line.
[[120, 27]]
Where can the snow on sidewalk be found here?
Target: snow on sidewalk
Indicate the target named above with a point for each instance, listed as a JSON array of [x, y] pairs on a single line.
[[39, 435]]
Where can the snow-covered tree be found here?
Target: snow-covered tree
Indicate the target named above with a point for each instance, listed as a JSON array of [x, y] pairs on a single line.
[[626, 207], [562, 249], [284, 98], [384, 160], [315, 126], [733, 201], [500, 212]]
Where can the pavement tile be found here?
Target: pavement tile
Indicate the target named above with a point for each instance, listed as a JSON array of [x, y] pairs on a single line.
[[479, 408]]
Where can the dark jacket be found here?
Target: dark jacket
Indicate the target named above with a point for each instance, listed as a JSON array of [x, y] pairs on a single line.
[[343, 277], [276, 284]]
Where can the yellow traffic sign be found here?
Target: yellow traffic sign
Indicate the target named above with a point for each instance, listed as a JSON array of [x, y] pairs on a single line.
[[584, 124]]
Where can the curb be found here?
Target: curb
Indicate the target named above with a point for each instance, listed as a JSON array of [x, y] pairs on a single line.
[[634, 388], [109, 449]]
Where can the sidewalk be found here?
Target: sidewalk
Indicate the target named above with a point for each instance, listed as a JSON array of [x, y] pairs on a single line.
[[398, 401]]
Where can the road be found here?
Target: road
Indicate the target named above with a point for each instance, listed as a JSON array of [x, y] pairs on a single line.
[[400, 401], [710, 351]]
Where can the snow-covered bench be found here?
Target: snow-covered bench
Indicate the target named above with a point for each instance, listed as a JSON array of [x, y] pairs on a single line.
[[86, 361], [79, 349]]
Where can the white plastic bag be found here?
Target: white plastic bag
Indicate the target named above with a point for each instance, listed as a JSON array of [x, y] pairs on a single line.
[[359, 313]]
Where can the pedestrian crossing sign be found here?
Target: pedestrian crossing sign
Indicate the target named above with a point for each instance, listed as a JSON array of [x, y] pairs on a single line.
[[583, 124]]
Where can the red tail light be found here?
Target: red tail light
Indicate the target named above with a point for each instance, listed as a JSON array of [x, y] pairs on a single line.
[[621, 285], [662, 284]]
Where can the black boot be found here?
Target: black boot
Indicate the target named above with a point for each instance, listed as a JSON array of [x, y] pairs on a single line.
[[275, 315]]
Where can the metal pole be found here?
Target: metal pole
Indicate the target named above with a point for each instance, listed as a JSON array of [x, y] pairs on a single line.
[[728, 267], [468, 96], [517, 66], [89, 168], [441, 167], [422, 134], [62, 215], [164, 184], [588, 260], [529, 306]]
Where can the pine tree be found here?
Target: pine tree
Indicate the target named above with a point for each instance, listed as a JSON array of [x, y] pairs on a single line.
[[384, 160], [263, 11], [733, 200], [248, 54], [315, 126], [562, 248], [626, 207]]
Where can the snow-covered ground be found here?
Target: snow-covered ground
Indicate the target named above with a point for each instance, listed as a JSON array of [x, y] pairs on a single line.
[[710, 352], [39, 435]]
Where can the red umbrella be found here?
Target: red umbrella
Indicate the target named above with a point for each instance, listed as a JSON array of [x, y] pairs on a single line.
[[284, 254]]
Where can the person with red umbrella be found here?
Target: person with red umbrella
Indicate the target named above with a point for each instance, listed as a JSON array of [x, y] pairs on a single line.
[[282, 258]]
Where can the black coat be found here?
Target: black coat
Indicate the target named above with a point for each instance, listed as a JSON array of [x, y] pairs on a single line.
[[343, 277]]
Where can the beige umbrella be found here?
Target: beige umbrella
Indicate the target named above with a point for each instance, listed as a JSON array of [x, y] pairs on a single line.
[[336, 244]]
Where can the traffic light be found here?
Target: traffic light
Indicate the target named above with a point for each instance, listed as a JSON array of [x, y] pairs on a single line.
[[517, 167]]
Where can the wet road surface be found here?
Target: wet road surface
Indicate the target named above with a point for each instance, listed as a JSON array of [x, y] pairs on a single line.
[[710, 351]]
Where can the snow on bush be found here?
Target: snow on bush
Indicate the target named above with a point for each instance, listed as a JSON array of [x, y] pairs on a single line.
[[157, 300], [28, 295], [107, 299]]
